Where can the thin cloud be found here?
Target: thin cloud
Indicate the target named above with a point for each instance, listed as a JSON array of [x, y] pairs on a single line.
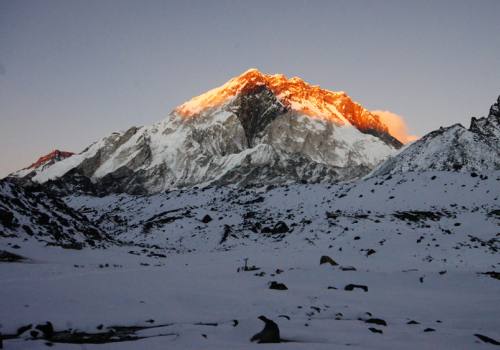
[[397, 126]]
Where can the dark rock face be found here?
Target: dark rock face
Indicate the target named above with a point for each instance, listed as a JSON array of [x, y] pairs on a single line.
[[7, 218], [385, 136], [45, 218], [495, 109], [256, 109]]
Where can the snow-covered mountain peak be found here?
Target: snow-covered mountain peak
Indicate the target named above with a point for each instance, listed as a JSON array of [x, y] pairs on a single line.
[[255, 129], [296, 95], [55, 155], [44, 162], [453, 148]]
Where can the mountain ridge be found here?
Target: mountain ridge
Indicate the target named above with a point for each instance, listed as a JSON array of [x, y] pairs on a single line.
[[254, 129], [452, 148], [295, 94]]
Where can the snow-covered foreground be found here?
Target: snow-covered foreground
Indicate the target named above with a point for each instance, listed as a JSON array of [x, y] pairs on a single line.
[[182, 291], [420, 243]]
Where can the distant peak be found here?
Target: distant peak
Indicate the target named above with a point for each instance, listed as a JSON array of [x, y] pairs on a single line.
[[56, 155]]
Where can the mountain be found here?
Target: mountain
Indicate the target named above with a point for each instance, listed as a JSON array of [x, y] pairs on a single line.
[[32, 214], [43, 163], [383, 261], [254, 129], [454, 148]]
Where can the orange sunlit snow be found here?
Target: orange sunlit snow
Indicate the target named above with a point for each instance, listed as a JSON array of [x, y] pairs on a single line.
[[298, 96]]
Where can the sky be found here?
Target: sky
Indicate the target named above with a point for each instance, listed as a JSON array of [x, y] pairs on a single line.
[[72, 72]]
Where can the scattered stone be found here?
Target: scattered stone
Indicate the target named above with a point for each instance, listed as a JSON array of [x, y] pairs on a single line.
[[442, 272], [206, 219], [416, 215], [315, 308], [227, 233], [375, 330], [270, 333], [280, 228], [377, 321], [487, 339], [370, 252], [277, 286], [351, 287], [325, 259], [429, 330], [347, 268], [412, 322]]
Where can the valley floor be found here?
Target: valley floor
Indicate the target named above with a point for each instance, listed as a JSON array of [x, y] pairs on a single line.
[[190, 301]]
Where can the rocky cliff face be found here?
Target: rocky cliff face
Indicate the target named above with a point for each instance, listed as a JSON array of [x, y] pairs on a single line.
[[31, 213], [454, 148], [255, 129]]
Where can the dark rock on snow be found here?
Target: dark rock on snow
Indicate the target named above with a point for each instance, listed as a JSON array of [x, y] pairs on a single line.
[[351, 287], [270, 333], [277, 286]]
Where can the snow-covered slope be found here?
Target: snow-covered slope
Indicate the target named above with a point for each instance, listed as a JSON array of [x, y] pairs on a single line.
[[254, 129], [412, 210], [424, 245], [454, 148], [33, 215]]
